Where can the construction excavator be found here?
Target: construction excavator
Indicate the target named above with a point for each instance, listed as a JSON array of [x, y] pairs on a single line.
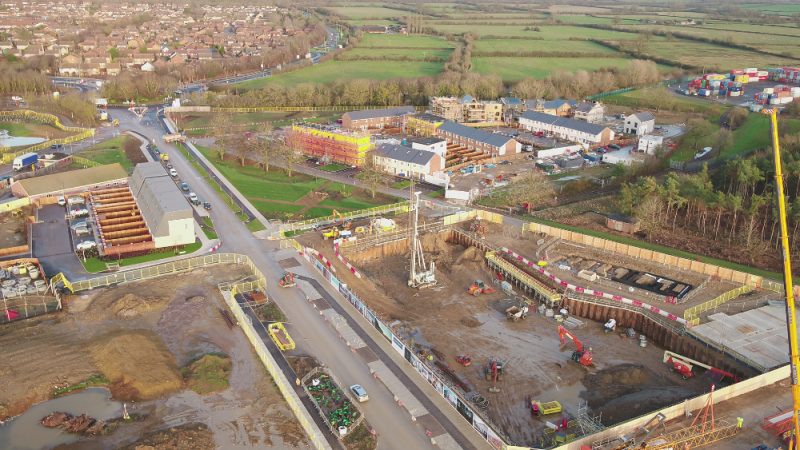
[[581, 355], [287, 280]]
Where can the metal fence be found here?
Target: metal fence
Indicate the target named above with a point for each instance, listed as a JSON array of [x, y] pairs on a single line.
[[27, 306], [307, 224], [692, 315], [33, 116]]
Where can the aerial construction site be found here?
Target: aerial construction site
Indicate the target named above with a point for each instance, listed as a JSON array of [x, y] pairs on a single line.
[[546, 338]]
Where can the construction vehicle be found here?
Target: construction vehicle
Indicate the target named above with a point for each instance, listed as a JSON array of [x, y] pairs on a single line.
[[477, 227], [581, 355], [610, 326], [330, 233], [420, 275], [543, 409], [684, 366], [479, 287], [493, 371], [515, 312], [464, 360], [287, 280], [383, 225]]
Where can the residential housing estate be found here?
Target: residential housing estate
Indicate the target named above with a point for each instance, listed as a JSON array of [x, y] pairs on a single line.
[[564, 128]]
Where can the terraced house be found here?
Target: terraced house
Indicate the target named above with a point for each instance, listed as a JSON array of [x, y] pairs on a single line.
[[568, 129]]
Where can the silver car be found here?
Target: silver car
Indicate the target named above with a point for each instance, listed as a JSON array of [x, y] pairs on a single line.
[[359, 392]]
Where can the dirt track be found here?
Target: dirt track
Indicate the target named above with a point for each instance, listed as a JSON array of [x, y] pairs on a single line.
[[137, 335]]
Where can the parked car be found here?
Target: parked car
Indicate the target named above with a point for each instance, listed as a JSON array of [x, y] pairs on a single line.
[[82, 231], [79, 224], [359, 392], [76, 200], [86, 245], [185, 186], [539, 134], [505, 162], [207, 205], [614, 147], [173, 173], [78, 212], [193, 198], [61, 200]]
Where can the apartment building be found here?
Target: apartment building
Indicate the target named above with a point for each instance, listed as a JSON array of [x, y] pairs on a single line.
[[376, 118], [564, 128], [474, 139], [407, 162], [466, 109]]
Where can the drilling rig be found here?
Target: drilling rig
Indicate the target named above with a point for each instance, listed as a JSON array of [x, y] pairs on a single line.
[[420, 276]]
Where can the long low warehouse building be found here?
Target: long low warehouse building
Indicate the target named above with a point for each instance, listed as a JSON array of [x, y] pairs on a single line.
[[568, 129], [71, 182], [167, 213]]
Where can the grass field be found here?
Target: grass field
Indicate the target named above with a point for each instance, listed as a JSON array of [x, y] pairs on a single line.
[[709, 55], [368, 12], [782, 9], [377, 53], [547, 32], [523, 45], [399, 40], [658, 98], [336, 70], [32, 130], [110, 151], [95, 265], [514, 69], [277, 196]]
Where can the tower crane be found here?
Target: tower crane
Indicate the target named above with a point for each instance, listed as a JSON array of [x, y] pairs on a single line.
[[581, 355]]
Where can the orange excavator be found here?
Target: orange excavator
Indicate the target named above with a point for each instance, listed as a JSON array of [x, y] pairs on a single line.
[[581, 355]]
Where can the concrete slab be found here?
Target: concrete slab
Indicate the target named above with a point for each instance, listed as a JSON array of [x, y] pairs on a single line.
[[759, 335], [344, 330], [396, 387], [308, 290], [446, 442]]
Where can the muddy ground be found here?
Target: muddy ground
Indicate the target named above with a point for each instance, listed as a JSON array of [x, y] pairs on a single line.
[[446, 321], [138, 335], [12, 230]]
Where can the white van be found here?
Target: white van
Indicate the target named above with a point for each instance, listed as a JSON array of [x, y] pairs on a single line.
[[75, 200], [173, 173]]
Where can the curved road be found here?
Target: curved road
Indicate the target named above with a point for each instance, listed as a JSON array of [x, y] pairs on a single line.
[[312, 334]]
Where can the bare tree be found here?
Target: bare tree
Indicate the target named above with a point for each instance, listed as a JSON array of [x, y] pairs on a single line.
[[290, 157], [533, 189], [371, 176], [220, 131]]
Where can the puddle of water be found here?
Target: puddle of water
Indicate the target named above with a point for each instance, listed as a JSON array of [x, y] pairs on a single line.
[[26, 433], [11, 141]]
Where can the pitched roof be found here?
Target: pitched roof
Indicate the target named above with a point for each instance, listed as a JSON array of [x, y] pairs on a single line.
[[428, 117], [158, 197], [585, 107], [564, 122], [73, 179], [495, 140], [467, 99], [557, 103], [510, 101], [405, 154], [373, 113], [643, 116]]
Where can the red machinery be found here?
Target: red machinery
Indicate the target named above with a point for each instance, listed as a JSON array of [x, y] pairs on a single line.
[[581, 355], [287, 280], [464, 360]]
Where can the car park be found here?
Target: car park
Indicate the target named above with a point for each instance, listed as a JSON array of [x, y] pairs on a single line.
[[61, 200], [78, 212], [359, 392]]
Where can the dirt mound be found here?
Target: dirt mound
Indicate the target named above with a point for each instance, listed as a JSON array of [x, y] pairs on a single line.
[[131, 305], [435, 244], [139, 360], [620, 375], [471, 254], [195, 436], [208, 374]]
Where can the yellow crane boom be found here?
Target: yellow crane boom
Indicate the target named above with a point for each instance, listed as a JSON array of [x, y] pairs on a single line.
[[791, 320]]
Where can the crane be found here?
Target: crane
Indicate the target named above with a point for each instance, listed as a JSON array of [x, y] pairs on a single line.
[[791, 319], [581, 355]]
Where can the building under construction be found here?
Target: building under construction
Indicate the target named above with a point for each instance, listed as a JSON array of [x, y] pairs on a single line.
[[331, 144], [121, 229]]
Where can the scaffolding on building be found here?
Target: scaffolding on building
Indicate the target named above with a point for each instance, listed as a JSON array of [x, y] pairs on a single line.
[[330, 144]]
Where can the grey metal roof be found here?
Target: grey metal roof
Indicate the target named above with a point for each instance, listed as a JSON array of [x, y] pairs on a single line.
[[564, 122], [405, 154], [495, 140], [158, 198], [584, 106], [428, 117], [554, 104], [644, 116], [427, 140], [374, 113]]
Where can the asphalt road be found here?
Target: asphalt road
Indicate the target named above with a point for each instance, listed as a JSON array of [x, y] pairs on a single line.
[[312, 334]]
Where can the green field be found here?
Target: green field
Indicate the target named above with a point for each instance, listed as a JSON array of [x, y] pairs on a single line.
[[711, 56], [278, 196], [411, 53], [515, 69], [361, 23], [32, 130], [111, 151], [329, 71], [368, 12], [659, 98], [547, 32], [523, 45], [94, 265], [783, 9], [408, 41]]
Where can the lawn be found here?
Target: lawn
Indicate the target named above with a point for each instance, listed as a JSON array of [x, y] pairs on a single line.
[[404, 41], [368, 12], [658, 98], [755, 133], [547, 32], [523, 45], [781, 9], [277, 196], [208, 228], [330, 71], [111, 151], [94, 265], [514, 69]]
